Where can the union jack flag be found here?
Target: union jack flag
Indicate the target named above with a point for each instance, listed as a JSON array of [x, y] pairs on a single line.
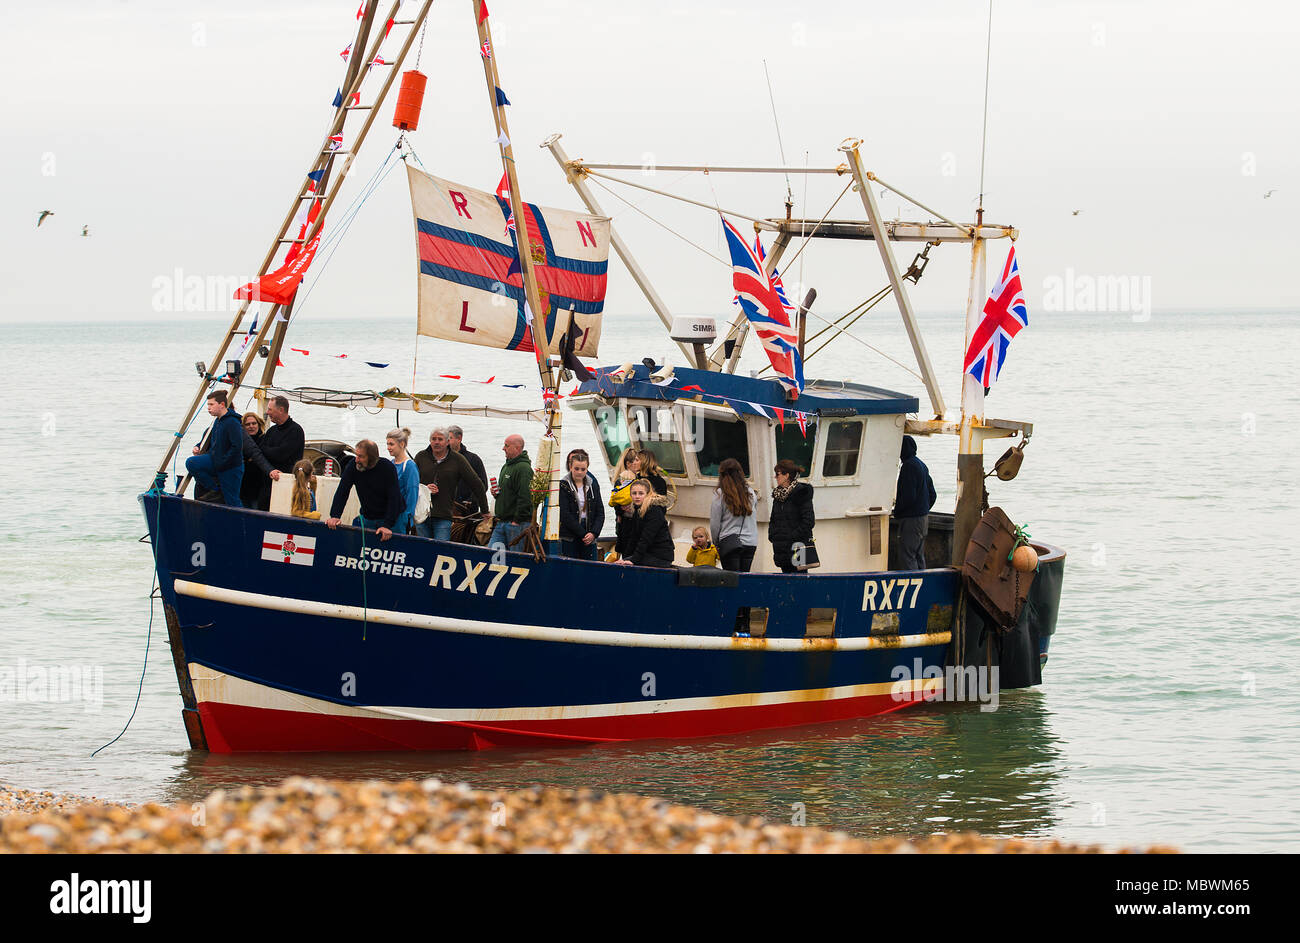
[[764, 303], [1005, 315]]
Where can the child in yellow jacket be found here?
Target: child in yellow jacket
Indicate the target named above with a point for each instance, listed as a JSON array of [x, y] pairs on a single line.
[[703, 553]]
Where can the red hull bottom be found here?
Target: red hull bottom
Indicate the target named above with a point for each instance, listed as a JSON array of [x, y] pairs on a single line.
[[231, 728]]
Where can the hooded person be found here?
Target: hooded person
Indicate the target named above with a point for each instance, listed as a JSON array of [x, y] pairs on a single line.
[[912, 503]]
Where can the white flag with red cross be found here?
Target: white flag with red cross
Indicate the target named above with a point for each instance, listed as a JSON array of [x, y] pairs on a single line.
[[286, 548]]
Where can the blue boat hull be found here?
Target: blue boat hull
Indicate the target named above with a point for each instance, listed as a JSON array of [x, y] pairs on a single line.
[[290, 636]]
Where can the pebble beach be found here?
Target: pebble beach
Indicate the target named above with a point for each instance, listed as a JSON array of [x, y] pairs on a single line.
[[322, 816]]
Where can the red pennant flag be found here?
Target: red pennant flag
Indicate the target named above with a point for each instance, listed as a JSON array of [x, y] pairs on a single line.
[[388, 28], [361, 10], [279, 286], [300, 351], [489, 379], [780, 414], [503, 188], [482, 11], [340, 356], [279, 362], [346, 52], [692, 387], [803, 424], [449, 376]]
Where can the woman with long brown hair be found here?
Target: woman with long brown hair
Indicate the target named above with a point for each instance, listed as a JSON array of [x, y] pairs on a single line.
[[731, 518]]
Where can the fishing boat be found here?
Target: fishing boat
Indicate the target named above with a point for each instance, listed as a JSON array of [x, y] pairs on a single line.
[[288, 634]]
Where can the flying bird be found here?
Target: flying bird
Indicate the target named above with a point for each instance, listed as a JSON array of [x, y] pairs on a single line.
[[1270, 193], [1076, 212], [44, 213]]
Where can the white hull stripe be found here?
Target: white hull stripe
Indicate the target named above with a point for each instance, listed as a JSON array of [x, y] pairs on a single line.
[[541, 633], [212, 686]]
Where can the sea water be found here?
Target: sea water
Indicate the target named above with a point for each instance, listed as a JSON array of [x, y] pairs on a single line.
[[1161, 460]]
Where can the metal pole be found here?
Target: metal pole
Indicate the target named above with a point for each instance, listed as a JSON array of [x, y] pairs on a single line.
[[970, 450], [850, 148], [584, 192]]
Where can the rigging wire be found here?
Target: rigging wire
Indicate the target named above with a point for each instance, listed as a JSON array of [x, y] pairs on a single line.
[[674, 232]]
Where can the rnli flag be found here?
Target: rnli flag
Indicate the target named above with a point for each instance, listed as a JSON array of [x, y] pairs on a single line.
[[765, 306], [279, 286], [471, 289], [1005, 315]]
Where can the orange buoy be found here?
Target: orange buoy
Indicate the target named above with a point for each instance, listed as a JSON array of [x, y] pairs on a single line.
[[1025, 559], [406, 116]]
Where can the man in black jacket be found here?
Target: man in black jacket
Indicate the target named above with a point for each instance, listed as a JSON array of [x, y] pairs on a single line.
[[464, 490], [375, 479], [912, 505], [282, 444]]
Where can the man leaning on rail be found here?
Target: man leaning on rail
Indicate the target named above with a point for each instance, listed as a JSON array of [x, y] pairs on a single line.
[[377, 487]]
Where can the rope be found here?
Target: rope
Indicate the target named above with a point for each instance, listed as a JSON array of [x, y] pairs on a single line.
[[148, 639], [868, 346], [334, 239], [696, 245], [866, 306]]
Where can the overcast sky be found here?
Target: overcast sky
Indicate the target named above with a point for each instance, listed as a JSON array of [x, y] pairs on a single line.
[[178, 132]]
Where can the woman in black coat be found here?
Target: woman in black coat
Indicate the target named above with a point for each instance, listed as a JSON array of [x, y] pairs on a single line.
[[649, 541], [793, 517]]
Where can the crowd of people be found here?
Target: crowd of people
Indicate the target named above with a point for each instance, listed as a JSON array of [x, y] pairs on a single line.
[[445, 483]]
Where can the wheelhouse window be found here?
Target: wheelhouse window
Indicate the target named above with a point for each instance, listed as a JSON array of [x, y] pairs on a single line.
[[843, 443], [613, 433], [715, 440], [655, 430], [792, 443]]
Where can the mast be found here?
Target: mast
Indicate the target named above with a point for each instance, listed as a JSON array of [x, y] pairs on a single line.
[[323, 155], [548, 456]]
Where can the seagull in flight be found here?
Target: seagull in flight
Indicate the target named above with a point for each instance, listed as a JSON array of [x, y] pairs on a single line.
[[1270, 193], [44, 213], [1075, 212]]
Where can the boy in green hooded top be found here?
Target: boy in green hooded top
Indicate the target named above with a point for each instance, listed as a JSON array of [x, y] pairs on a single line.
[[514, 506]]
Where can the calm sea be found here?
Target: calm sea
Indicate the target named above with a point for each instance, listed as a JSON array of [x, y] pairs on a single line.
[[1160, 460]]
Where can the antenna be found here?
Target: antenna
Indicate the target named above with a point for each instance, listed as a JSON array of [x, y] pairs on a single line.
[[988, 58], [789, 193]]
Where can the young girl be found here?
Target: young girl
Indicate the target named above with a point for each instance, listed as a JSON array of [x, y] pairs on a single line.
[[702, 552], [649, 541], [408, 477], [625, 472], [581, 513], [303, 501]]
